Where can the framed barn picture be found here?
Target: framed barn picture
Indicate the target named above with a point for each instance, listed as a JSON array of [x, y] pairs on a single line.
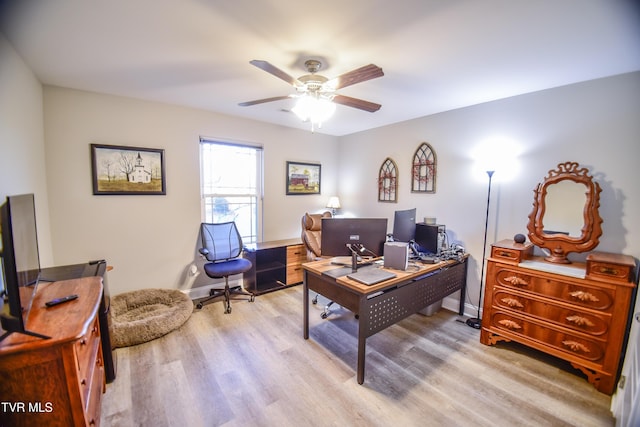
[[303, 178], [126, 170]]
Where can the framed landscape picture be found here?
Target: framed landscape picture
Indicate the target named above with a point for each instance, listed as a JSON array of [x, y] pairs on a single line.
[[126, 170], [303, 178]]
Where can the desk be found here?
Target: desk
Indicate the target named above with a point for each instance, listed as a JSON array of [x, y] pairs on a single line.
[[384, 304]]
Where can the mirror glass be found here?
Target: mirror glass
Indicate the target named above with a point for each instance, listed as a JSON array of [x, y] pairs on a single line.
[[565, 202]]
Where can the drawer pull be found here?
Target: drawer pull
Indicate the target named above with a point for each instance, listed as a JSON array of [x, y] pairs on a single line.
[[516, 281], [610, 271], [505, 254], [576, 346], [584, 296], [580, 321], [510, 324], [512, 302]]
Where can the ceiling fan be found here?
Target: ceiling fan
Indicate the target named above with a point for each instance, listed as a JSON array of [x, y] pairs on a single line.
[[319, 87]]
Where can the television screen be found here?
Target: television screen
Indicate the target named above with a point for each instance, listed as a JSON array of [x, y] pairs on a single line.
[[20, 258], [404, 225], [338, 232]]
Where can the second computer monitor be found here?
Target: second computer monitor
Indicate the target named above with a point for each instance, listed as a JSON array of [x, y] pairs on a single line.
[[338, 232], [430, 238], [404, 225]]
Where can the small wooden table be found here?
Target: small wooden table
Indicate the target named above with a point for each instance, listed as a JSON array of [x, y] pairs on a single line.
[[409, 292]]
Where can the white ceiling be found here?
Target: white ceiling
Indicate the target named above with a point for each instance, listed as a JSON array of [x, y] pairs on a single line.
[[437, 55]]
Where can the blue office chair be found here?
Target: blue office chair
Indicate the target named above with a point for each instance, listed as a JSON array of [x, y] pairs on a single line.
[[222, 246]]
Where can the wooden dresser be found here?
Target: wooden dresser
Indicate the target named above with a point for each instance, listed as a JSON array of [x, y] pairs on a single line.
[[577, 312], [60, 380]]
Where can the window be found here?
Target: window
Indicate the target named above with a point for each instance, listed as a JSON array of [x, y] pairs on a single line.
[[231, 186]]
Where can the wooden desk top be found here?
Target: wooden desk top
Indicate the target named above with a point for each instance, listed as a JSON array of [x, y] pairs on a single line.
[[273, 244], [64, 322], [415, 270]]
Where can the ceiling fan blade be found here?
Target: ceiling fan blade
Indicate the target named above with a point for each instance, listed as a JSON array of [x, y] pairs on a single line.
[[262, 101], [356, 103], [271, 69], [361, 74]]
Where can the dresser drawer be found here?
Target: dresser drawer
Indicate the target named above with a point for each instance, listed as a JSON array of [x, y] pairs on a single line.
[[561, 314], [605, 266], [88, 354], [294, 274], [545, 336], [509, 251], [296, 254], [95, 388], [582, 294]]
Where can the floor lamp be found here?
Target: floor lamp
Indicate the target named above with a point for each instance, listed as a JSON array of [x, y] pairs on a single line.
[[477, 322]]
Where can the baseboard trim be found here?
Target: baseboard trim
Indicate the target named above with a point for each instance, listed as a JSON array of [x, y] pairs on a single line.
[[203, 291], [453, 304]]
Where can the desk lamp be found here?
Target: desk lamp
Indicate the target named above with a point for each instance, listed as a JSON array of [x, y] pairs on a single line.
[[333, 204]]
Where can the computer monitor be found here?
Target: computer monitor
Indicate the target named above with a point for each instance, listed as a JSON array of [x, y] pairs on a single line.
[[430, 238], [404, 225], [338, 232]]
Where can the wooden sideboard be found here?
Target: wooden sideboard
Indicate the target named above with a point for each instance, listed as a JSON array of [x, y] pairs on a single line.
[[276, 265], [59, 380], [577, 312]]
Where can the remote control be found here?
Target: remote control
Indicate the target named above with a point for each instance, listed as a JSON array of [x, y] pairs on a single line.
[[60, 300]]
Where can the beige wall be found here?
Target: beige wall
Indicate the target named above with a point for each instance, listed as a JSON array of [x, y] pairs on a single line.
[[22, 151], [593, 123], [150, 240]]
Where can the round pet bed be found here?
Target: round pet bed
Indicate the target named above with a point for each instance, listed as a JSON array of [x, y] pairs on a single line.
[[147, 314]]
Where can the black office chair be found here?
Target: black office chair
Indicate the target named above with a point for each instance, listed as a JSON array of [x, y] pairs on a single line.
[[222, 246]]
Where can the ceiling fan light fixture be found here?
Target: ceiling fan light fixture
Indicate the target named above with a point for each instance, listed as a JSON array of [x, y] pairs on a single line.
[[314, 108], [316, 97]]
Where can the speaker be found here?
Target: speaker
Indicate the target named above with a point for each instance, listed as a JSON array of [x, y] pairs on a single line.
[[396, 255]]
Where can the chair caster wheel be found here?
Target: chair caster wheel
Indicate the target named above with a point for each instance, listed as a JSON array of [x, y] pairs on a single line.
[[252, 299], [199, 306], [228, 310], [315, 300], [324, 315]]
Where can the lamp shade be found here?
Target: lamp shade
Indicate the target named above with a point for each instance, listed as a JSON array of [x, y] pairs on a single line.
[[334, 202]]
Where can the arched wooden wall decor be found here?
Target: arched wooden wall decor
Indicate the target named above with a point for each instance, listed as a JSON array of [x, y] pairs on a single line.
[[423, 170], [388, 181]]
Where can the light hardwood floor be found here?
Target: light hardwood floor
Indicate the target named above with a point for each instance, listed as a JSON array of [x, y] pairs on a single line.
[[253, 368]]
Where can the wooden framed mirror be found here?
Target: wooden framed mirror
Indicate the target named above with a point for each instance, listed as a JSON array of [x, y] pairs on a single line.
[[565, 215]]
